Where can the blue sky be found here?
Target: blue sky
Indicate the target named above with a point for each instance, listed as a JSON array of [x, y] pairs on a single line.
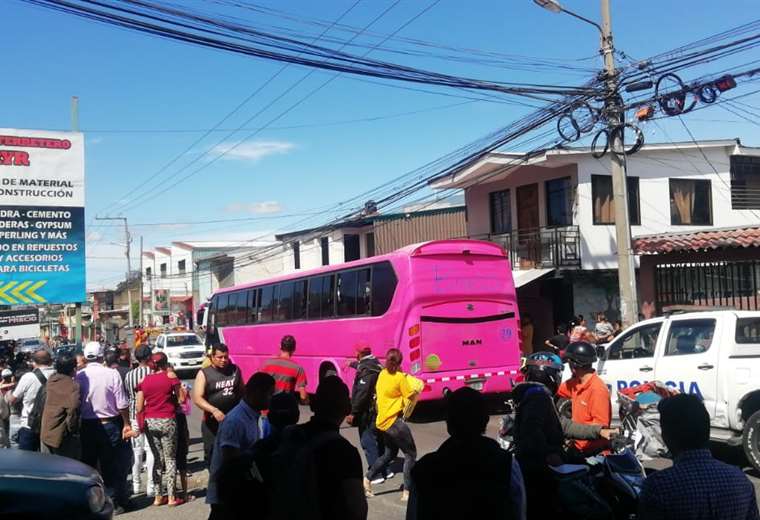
[[128, 81]]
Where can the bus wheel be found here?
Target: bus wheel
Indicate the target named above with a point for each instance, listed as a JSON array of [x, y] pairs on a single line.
[[327, 370], [751, 440]]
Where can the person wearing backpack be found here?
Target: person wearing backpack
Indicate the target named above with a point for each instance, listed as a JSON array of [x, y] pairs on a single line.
[[317, 472], [395, 397], [364, 409], [59, 423], [26, 392]]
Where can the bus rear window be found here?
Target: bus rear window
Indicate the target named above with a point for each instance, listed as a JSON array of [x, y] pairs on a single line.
[[748, 330]]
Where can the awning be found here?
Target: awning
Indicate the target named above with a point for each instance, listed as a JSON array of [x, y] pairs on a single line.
[[181, 299], [525, 276]]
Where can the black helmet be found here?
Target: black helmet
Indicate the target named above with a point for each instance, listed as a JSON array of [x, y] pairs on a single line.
[[545, 368], [580, 354]]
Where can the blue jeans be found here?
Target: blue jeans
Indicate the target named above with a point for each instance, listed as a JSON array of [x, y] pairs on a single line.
[[28, 440], [103, 447], [372, 445]]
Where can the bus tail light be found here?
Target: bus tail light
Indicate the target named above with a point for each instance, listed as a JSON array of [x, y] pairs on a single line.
[[414, 355], [414, 330], [427, 388], [414, 342]]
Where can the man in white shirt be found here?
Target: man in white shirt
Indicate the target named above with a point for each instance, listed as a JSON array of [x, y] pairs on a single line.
[[26, 390]]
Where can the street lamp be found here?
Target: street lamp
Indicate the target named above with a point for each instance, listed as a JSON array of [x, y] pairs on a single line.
[[555, 7], [613, 112]]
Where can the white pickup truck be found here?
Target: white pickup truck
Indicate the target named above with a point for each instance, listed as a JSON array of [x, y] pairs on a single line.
[[713, 354]]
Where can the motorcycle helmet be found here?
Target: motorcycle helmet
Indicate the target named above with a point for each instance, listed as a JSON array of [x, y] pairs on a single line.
[[580, 354], [545, 368]]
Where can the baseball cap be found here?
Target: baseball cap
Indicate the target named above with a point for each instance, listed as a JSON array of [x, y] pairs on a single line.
[[93, 350], [6, 372]]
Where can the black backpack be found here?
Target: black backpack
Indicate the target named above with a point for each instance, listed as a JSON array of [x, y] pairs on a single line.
[[34, 421]]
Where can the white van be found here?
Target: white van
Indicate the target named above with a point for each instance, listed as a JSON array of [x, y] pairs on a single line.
[[713, 354], [184, 349]]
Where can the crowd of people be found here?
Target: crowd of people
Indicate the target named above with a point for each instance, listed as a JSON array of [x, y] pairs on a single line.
[[576, 330], [118, 415]]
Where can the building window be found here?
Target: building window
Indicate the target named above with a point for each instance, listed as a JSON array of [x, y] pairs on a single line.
[[296, 254], [163, 270], [181, 267], [370, 238], [501, 212], [745, 182], [324, 244], [559, 202], [690, 202], [604, 202], [351, 249], [148, 272]]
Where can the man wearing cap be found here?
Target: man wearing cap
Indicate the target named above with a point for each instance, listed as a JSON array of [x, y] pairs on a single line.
[[105, 424], [363, 407], [26, 391]]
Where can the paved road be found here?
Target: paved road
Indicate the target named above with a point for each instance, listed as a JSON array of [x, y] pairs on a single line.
[[428, 434]]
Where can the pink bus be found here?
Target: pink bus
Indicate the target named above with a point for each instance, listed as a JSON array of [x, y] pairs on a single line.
[[449, 306]]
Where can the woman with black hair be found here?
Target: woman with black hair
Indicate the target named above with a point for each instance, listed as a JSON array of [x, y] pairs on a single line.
[[157, 398], [393, 390]]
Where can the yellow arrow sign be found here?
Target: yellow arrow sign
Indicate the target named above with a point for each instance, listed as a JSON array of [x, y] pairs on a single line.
[[24, 291], [7, 287], [31, 291], [18, 291]]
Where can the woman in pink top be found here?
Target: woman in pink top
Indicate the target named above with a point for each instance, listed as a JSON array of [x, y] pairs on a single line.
[[157, 397]]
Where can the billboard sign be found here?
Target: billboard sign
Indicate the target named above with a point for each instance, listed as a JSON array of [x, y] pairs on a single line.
[[42, 242]]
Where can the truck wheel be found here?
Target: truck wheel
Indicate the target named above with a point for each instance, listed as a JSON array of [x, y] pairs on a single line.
[[751, 440]]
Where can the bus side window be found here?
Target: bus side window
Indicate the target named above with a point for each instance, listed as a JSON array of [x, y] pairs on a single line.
[[266, 307], [299, 300], [251, 306], [383, 287], [285, 302], [328, 296], [221, 311], [346, 293], [364, 292], [315, 295]]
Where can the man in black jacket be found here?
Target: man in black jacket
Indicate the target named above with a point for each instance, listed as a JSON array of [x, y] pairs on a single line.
[[363, 408]]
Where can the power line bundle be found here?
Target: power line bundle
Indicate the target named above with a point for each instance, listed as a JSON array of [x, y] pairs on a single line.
[[185, 25]]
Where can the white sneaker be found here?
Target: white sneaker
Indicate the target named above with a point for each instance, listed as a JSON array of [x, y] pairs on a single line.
[[389, 475], [378, 480]]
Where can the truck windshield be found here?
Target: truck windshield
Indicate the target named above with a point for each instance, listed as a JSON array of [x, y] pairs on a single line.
[[183, 340]]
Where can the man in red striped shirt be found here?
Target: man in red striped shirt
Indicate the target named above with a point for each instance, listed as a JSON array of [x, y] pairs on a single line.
[[288, 375]]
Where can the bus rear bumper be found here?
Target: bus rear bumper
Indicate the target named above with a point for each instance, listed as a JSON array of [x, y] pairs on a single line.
[[438, 384]]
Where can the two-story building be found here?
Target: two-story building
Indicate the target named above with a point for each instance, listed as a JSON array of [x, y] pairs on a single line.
[[554, 214], [173, 287]]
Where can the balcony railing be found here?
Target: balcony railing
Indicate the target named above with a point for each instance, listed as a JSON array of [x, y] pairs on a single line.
[[542, 247]]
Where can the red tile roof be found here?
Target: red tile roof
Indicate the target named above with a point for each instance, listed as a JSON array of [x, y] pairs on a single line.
[[701, 240]]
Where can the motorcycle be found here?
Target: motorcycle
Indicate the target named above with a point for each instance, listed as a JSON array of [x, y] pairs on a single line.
[[603, 487]]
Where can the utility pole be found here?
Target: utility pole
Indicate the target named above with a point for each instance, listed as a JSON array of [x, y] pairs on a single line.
[[629, 308], [613, 112], [77, 305], [128, 240], [140, 319]]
